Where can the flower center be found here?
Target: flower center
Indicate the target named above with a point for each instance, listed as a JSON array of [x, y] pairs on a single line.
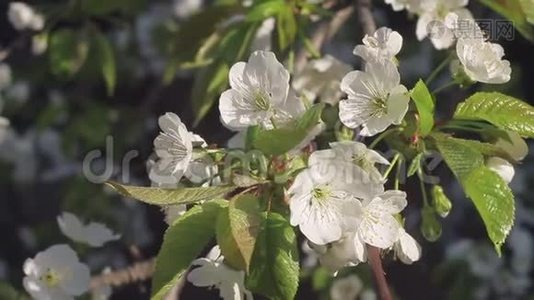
[[380, 105], [51, 278], [261, 101], [321, 193]]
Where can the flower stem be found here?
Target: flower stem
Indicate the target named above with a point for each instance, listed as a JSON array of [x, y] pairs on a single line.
[[438, 69], [382, 136], [422, 186], [378, 273], [393, 162], [444, 87]]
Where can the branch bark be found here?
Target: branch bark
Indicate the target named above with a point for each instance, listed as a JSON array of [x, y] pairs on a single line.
[[137, 272], [324, 33], [378, 272], [365, 15]]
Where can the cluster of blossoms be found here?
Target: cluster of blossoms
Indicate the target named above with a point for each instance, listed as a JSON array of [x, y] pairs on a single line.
[[57, 273], [338, 201], [446, 22]]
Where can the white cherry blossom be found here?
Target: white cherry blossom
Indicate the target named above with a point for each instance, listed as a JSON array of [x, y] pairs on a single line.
[[212, 272], [347, 288], [93, 234], [56, 274], [384, 44], [259, 94], [406, 248], [376, 99], [501, 167], [432, 21], [347, 251], [516, 147], [321, 78], [483, 61], [359, 154], [324, 198], [22, 16], [378, 226], [174, 148]]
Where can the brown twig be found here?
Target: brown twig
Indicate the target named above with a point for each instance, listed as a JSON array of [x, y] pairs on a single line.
[[324, 33], [137, 272], [365, 15], [378, 272]]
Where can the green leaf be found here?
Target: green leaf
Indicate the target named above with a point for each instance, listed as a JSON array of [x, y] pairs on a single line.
[[503, 111], [460, 157], [490, 194], [106, 59], [237, 229], [68, 51], [425, 107], [160, 196], [494, 201], [286, 27], [7, 291], [209, 83], [484, 148], [265, 9], [236, 43], [528, 10], [513, 10], [281, 140], [274, 272], [182, 243]]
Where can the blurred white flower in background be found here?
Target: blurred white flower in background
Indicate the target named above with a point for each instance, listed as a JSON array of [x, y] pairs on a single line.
[[262, 40], [212, 272], [321, 78], [346, 288], [5, 76], [93, 234], [502, 167], [376, 99], [4, 125], [56, 274], [185, 8], [22, 16], [432, 20]]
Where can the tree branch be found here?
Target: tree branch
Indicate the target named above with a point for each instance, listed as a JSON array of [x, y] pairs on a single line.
[[137, 272], [378, 272], [324, 33], [365, 15]]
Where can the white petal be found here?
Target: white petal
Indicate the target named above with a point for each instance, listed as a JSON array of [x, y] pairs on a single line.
[[264, 71], [408, 248], [501, 167], [76, 282], [380, 231], [398, 104]]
